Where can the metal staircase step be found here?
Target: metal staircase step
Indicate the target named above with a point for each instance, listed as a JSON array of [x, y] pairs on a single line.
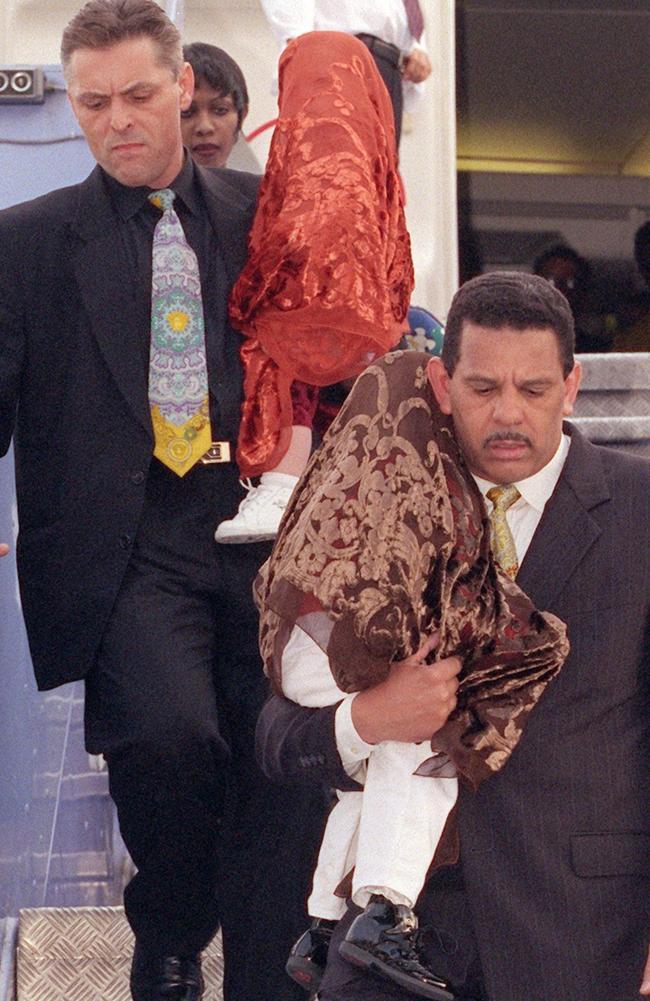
[[84, 954], [613, 405]]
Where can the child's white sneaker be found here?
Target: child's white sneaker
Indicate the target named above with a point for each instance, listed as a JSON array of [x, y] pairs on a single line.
[[260, 512]]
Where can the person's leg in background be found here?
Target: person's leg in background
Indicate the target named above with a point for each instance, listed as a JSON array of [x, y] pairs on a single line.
[[271, 832], [392, 77]]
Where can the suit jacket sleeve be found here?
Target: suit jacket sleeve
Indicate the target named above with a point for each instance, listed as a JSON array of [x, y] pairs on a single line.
[[12, 336], [298, 746]]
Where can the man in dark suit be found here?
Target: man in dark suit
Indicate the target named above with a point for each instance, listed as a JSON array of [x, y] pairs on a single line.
[[121, 580], [550, 898]]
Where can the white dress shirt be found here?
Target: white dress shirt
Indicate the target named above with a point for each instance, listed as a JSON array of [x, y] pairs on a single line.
[[523, 517], [525, 514], [385, 19]]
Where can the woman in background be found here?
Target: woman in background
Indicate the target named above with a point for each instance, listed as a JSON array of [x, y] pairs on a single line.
[[213, 121]]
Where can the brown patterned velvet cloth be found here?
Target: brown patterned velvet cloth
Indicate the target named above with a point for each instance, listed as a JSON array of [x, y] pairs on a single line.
[[385, 540]]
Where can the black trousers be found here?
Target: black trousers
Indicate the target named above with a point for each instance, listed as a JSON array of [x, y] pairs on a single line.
[[447, 942], [172, 703], [390, 73]]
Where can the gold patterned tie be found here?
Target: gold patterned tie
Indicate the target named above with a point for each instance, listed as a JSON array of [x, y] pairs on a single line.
[[503, 544]]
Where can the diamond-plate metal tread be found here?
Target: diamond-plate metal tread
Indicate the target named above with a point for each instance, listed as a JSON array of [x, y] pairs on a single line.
[[612, 402], [613, 405], [616, 370], [614, 385], [84, 954]]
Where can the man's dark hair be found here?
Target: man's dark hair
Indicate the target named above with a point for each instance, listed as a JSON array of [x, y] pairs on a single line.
[[564, 253], [509, 299], [220, 71], [103, 23]]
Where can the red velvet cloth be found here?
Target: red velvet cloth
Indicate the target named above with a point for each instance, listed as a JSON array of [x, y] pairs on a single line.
[[304, 403], [329, 275]]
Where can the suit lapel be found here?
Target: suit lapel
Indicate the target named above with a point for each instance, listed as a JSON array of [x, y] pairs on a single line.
[[230, 214], [106, 287], [567, 529]]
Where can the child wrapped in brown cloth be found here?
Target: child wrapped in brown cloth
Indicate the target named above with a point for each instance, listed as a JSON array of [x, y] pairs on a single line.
[[385, 543]]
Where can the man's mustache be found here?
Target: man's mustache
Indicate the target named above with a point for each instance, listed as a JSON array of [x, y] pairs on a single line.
[[507, 436]]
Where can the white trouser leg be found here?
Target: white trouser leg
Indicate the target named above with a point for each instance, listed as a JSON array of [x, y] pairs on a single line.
[[307, 680], [402, 818], [336, 857]]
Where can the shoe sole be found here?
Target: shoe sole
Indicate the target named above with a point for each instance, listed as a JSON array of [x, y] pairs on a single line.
[[137, 995], [243, 539], [302, 972], [364, 960]]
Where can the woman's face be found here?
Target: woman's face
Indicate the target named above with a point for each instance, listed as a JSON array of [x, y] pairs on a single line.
[[210, 125]]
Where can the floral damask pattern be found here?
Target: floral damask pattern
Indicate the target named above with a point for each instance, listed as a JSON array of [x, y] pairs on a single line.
[[386, 539]]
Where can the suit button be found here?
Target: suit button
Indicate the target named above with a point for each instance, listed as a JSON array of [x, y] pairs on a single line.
[[137, 477], [125, 541]]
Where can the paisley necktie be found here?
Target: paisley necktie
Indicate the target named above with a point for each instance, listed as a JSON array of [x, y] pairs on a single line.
[[178, 374], [503, 544]]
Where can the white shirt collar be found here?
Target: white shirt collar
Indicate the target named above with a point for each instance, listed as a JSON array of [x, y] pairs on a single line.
[[535, 490]]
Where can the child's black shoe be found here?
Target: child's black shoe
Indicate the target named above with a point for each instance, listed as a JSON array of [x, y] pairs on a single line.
[[308, 956], [382, 939]]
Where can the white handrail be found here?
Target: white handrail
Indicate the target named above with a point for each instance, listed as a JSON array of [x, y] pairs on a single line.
[[175, 11]]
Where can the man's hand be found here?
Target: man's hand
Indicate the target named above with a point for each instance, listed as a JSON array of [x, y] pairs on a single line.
[[645, 982], [412, 703], [416, 67], [4, 548]]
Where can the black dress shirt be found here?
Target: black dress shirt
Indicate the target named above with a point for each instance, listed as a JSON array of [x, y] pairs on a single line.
[[139, 218]]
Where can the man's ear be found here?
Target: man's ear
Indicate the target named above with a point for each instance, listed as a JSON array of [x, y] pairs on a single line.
[[439, 380], [571, 387], [186, 85]]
